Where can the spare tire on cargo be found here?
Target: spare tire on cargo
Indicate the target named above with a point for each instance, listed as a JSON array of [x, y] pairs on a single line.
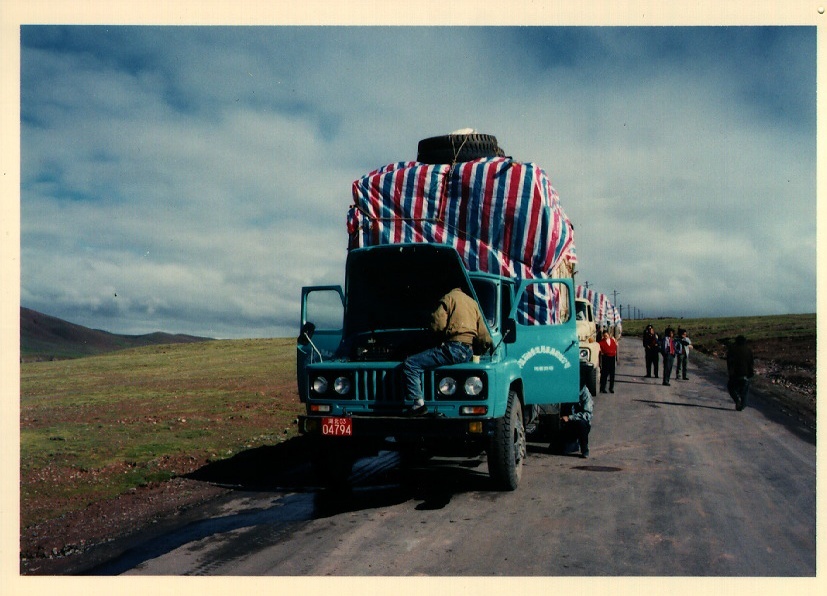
[[457, 147]]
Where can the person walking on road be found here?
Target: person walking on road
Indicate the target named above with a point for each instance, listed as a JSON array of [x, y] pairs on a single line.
[[668, 350], [683, 345], [608, 360], [740, 366], [651, 350]]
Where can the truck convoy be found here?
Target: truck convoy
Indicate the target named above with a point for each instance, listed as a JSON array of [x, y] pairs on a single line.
[[463, 215]]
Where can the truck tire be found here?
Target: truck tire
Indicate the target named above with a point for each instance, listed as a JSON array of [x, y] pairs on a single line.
[[460, 147], [508, 447], [588, 377]]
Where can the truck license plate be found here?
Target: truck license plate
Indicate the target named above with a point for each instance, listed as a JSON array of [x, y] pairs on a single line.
[[337, 427]]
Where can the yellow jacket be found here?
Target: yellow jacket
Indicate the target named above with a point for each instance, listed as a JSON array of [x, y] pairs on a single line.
[[458, 318]]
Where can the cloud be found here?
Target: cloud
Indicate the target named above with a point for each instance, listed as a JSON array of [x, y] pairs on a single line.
[[203, 174]]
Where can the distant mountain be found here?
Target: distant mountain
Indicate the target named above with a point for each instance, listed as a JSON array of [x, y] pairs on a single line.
[[43, 337]]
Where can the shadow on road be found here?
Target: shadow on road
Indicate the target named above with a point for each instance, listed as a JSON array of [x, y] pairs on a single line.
[[675, 403], [262, 468], [636, 380], [277, 489], [378, 481]]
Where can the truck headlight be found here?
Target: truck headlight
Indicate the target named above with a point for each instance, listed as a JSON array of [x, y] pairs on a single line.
[[473, 386], [341, 385], [447, 386], [584, 353], [320, 385]]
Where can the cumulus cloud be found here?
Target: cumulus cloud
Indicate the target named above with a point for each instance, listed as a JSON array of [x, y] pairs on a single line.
[[193, 179]]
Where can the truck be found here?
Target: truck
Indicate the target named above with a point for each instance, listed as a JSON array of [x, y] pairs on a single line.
[[418, 230], [589, 348]]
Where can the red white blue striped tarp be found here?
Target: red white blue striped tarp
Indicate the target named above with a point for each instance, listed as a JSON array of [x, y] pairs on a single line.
[[604, 311], [502, 216]]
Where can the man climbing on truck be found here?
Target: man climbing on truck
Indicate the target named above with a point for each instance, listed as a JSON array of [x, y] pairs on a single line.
[[459, 326]]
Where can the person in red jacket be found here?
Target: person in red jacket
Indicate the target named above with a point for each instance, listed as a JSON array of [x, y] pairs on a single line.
[[608, 358]]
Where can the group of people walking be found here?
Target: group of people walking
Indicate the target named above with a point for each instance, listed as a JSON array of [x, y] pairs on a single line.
[[673, 350]]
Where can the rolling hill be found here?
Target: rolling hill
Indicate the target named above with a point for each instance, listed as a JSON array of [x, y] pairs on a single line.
[[43, 337]]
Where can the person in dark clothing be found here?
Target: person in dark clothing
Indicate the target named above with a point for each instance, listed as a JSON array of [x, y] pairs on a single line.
[[651, 350], [667, 348], [576, 421], [740, 366]]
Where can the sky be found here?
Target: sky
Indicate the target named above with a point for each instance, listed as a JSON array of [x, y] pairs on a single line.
[[193, 179]]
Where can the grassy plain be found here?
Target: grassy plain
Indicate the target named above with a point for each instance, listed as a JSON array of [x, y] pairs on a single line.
[[712, 335], [95, 427]]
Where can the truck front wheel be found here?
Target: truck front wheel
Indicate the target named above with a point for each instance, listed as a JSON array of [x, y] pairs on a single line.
[[508, 446], [588, 377]]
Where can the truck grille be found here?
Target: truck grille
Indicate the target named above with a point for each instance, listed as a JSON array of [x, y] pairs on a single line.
[[379, 385]]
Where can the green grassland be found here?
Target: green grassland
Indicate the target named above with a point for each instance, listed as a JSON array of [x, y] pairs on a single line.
[[712, 335], [94, 427]]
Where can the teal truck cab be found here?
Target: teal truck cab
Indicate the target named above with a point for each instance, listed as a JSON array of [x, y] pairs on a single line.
[[353, 342]]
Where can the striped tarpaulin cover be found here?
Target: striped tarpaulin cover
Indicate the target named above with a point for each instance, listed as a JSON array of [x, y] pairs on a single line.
[[604, 310], [502, 216]]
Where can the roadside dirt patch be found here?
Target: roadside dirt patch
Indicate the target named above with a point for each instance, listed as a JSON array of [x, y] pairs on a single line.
[[69, 544], [50, 548]]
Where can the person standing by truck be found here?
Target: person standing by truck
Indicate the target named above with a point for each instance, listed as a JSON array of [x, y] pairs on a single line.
[[668, 351], [608, 359], [459, 325], [740, 366], [651, 350]]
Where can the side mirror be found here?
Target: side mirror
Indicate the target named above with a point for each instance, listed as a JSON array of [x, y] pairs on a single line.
[[307, 331]]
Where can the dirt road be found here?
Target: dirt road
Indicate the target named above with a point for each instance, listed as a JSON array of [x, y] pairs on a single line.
[[679, 484]]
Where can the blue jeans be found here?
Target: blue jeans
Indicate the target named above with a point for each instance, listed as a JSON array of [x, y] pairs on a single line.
[[680, 364], [449, 352], [668, 361]]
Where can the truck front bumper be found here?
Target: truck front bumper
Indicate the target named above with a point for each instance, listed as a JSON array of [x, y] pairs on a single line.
[[406, 429]]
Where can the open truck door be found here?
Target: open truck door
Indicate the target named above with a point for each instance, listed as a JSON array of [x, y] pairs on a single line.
[[546, 341], [320, 333]]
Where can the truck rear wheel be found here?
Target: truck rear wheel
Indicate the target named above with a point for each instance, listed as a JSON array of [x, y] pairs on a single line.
[[508, 447]]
